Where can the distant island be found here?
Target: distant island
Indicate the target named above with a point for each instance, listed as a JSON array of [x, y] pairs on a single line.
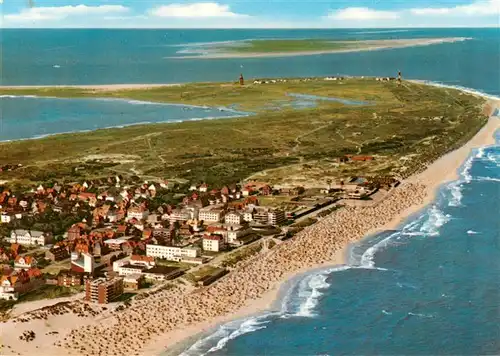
[[300, 47]]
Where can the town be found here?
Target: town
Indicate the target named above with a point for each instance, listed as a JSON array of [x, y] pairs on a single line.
[[115, 235]]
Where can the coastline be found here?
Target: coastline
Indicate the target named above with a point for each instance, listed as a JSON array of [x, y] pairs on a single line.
[[440, 172], [377, 45]]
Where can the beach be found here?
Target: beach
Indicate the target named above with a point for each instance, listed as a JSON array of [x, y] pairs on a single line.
[[374, 45], [168, 319]]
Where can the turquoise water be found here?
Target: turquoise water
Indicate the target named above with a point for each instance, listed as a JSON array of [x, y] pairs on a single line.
[[430, 288], [32, 117], [139, 56]]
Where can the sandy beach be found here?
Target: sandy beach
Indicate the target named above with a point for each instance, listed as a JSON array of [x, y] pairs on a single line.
[[372, 45], [167, 319], [97, 87]]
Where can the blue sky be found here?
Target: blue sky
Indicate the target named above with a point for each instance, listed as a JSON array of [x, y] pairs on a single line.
[[250, 13]]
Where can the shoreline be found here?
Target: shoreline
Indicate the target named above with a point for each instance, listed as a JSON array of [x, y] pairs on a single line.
[[376, 45], [433, 179]]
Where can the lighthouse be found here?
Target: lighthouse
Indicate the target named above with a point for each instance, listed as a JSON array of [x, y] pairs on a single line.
[[399, 77], [242, 81]]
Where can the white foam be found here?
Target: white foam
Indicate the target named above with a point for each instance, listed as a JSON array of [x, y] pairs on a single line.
[[386, 312], [466, 171], [436, 219], [225, 333], [490, 179], [421, 315], [367, 257], [246, 327], [310, 290], [458, 87], [472, 232], [456, 194]]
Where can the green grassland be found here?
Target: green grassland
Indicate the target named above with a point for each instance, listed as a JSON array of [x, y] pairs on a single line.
[[294, 45], [405, 127]]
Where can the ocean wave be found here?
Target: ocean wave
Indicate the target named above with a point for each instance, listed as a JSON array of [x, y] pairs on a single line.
[[455, 189], [436, 219], [458, 87], [309, 291], [487, 179], [367, 259], [226, 333]]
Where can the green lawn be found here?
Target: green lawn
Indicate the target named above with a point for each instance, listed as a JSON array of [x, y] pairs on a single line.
[[405, 127], [294, 45]]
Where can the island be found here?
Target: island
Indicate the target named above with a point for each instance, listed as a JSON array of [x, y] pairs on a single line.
[[298, 47], [130, 240]]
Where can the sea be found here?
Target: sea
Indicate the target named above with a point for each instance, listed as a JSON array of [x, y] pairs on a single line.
[[430, 287]]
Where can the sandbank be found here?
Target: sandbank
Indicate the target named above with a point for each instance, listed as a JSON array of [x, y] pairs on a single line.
[[369, 45]]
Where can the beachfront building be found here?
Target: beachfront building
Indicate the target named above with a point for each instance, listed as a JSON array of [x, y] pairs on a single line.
[[172, 253], [26, 237], [235, 232], [213, 243], [103, 291], [276, 217]]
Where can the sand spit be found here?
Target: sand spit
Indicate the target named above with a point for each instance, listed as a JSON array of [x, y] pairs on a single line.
[[98, 87], [369, 45]]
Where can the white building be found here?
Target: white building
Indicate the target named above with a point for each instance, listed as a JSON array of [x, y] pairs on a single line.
[[210, 215], [137, 213], [172, 253], [233, 219], [212, 243], [235, 232], [248, 215], [25, 237], [5, 218], [180, 215], [24, 262]]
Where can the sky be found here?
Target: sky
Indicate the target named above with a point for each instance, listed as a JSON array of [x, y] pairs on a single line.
[[249, 13]]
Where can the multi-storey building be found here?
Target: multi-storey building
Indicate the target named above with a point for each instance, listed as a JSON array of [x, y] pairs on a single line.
[[103, 291], [233, 218], [210, 215], [172, 253], [25, 237], [276, 217]]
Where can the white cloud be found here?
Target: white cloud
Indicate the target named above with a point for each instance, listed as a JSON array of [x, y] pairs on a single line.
[[478, 8], [61, 12], [202, 9], [362, 14]]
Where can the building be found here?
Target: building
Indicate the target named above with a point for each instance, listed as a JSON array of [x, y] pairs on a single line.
[[138, 213], [276, 217], [24, 262], [133, 281], [25, 237], [172, 253], [82, 263], [130, 269], [261, 216], [210, 215], [248, 215], [233, 218], [57, 253], [72, 279], [162, 273], [103, 291], [236, 232], [180, 215], [213, 243]]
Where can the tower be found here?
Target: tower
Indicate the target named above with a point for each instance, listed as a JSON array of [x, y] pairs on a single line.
[[399, 77], [242, 81]]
